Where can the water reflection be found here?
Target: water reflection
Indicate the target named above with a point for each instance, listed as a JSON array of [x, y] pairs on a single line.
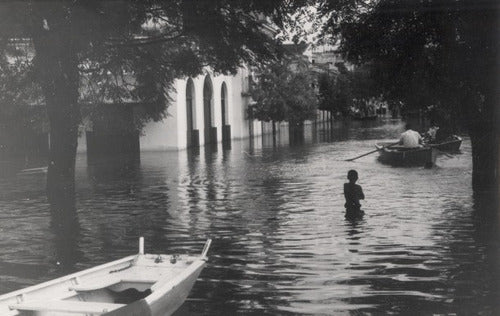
[[275, 211], [474, 257], [66, 232]]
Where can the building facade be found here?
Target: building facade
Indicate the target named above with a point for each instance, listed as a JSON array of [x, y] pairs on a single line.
[[208, 109]]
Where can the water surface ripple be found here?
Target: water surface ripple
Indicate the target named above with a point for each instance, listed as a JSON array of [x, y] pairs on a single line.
[[281, 244]]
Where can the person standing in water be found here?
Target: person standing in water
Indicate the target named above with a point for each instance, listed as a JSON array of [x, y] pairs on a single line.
[[353, 193]]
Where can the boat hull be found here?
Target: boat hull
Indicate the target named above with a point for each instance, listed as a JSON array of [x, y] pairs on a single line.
[[165, 300], [138, 285], [404, 157], [170, 301]]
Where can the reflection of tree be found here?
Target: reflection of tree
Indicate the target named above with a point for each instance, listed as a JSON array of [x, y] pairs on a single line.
[[66, 229], [473, 278], [126, 200], [123, 171]]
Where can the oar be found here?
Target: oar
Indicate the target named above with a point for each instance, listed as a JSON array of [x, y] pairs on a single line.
[[371, 152]]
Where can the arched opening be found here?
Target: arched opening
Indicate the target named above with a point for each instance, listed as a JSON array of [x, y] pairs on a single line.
[[210, 130], [226, 128], [193, 138]]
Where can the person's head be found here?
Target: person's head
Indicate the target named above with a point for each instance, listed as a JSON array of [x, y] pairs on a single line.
[[352, 175], [408, 126]]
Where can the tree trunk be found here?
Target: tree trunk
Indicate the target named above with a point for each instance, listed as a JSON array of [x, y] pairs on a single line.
[[57, 66], [484, 134], [484, 160]]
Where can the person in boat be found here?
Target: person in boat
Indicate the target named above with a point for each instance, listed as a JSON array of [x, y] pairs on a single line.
[[353, 193], [430, 135], [443, 134], [410, 138], [442, 119]]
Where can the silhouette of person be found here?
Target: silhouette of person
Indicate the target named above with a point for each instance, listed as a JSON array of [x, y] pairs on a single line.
[[353, 193]]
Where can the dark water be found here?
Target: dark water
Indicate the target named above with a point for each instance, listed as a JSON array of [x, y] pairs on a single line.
[[281, 245]]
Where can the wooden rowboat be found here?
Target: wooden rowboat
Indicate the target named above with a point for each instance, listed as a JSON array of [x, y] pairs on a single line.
[[142, 284], [402, 156], [450, 145]]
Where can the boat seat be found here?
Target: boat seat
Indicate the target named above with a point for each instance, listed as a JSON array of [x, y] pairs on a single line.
[[106, 282], [95, 284], [66, 307]]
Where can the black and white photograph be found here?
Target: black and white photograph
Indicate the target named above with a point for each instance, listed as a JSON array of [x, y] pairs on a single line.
[[249, 157]]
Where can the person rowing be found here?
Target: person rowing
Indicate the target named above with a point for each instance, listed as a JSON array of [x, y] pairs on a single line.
[[410, 138]]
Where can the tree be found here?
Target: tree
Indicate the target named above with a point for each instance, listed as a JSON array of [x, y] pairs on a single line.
[[441, 52], [283, 94], [95, 51], [20, 108], [336, 92], [343, 92], [326, 92]]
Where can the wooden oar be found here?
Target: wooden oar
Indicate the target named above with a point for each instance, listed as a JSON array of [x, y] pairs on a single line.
[[371, 152], [433, 146]]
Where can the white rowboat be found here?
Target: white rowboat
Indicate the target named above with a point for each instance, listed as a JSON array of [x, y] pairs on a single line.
[[138, 285]]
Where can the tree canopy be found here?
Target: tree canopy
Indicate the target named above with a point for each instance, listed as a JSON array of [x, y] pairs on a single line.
[[338, 91], [128, 51], [432, 52]]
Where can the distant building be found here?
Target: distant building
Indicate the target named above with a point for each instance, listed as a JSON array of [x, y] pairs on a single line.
[[327, 58]]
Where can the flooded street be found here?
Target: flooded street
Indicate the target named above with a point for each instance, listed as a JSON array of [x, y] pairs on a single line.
[[281, 245]]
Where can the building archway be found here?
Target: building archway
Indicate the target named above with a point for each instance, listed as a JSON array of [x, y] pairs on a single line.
[[210, 131], [193, 134], [226, 127]]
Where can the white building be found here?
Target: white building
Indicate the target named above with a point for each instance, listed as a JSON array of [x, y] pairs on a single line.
[[208, 109]]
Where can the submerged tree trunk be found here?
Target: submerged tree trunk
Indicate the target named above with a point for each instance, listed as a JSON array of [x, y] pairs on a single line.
[[485, 140], [57, 66], [484, 159], [296, 132]]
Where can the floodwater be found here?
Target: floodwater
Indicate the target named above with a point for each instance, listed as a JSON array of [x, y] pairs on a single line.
[[281, 245]]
